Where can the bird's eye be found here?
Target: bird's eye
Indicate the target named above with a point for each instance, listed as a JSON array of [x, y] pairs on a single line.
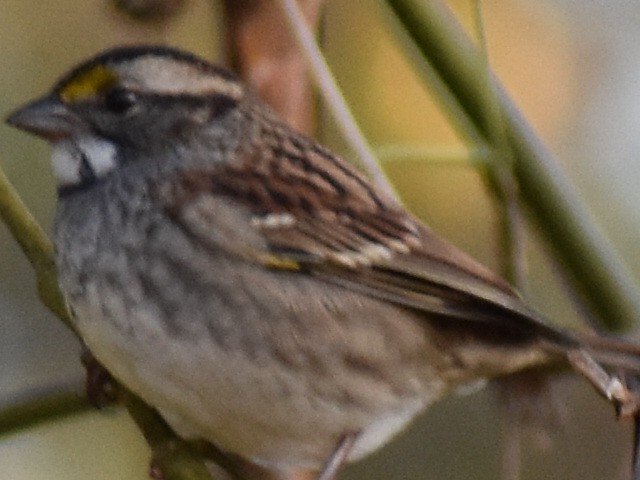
[[120, 100]]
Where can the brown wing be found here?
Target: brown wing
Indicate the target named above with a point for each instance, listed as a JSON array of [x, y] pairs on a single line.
[[301, 208]]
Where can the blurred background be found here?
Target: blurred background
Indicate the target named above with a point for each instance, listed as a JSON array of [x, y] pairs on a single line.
[[573, 67]]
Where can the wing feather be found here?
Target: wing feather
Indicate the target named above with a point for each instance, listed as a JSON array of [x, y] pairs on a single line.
[[307, 208]]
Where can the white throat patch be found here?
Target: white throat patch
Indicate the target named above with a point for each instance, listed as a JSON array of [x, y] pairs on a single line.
[[82, 159]]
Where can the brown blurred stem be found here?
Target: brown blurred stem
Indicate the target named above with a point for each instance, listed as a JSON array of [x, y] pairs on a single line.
[[444, 54], [262, 50]]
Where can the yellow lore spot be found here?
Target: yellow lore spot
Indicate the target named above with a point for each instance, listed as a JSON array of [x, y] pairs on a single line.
[[88, 84]]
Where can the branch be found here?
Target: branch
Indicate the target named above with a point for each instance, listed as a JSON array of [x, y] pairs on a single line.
[[41, 410], [36, 246]]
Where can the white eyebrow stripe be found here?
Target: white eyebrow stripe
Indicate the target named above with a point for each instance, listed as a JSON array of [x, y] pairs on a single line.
[[168, 77]]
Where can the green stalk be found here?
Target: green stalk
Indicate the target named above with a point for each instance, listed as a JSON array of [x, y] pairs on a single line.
[[439, 47], [36, 246]]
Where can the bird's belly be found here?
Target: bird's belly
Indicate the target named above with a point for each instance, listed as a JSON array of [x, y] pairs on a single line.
[[261, 412]]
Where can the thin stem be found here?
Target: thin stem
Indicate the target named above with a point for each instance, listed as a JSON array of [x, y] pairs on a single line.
[[36, 246], [431, 154], [511, 464], [500, 171], [335, 101], [489, 101]]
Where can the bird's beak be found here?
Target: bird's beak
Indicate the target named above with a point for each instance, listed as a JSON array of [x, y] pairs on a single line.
[[48, 117]]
